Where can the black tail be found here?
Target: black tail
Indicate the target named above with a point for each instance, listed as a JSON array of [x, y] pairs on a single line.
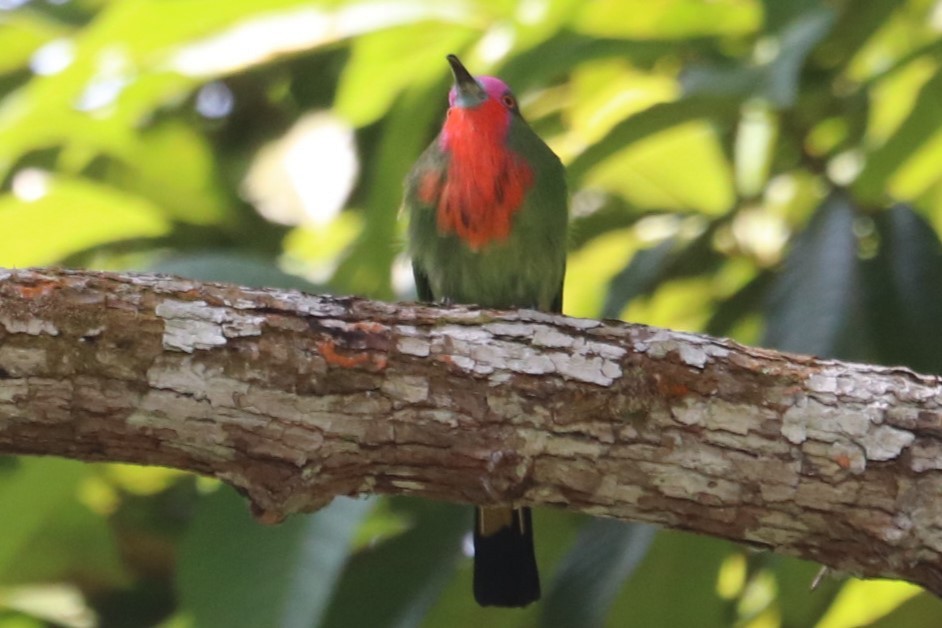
[[505, 571]]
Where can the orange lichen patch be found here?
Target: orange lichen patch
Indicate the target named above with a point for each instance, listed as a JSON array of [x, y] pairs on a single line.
[[671, 388], [842, 460], [486, 183], [37, 290], [328, 350]]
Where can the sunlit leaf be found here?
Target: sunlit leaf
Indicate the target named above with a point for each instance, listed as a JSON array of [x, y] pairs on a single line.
[[21, 34], [863, 601], [647, 173], [648, 123], [30, 496], [919, 611], [918, 127], [68, 216], [369, 85], [674, 18]]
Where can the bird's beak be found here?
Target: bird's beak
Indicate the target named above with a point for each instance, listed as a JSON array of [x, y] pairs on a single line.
[[467, 91]]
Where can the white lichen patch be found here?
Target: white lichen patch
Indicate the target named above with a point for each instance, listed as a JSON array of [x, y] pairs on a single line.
[[573, 447], [13, 390], [795, 422], [194, 325], [546, 336], [885, 442], [718, 414], [592, 370], [411, 345], [408, 388], [926, 456], [22, 361], [511, 330], [31, 326], [694, 351]]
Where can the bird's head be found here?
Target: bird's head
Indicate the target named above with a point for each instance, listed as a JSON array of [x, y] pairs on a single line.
[[472, 93]]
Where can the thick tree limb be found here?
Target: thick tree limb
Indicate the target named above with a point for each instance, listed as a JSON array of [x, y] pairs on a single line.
[[295, 399]]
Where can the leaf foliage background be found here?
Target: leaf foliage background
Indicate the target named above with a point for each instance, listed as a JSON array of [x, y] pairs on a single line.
[[765, 170]]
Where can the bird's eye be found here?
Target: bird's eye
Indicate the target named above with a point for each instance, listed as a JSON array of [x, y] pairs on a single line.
[[509, 101]]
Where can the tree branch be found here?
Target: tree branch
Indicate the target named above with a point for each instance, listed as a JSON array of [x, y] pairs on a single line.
[[295, 399]]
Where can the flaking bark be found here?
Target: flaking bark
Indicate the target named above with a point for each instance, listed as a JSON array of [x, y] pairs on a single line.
[[295, 399]]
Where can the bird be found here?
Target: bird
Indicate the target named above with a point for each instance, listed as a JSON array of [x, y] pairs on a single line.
[[487, 204]]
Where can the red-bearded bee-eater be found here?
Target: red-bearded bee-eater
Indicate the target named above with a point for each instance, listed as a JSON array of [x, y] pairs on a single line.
[[487, 206]]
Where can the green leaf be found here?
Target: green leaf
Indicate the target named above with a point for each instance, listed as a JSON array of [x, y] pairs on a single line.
[[639, 277], [857, 23], [30, 496], [70, 216], [22, 33], [903, 304], [918, 128], [369, 85], [396, 582], [776, 81], [365, 267], [235, 572], [814, 302], [797, 603], [649, 122], [922, 611], [72, 543], [797, 41], [675, 585], [605, 554]]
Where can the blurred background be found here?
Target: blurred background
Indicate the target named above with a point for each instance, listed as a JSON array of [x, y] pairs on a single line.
[[764, 170]]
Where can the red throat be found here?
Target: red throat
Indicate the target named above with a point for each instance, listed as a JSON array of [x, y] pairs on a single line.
[[486, 182]]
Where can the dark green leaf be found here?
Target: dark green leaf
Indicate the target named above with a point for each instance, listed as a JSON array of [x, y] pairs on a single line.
[[591, 574], [232, 267], [903, 287], [814, 304], [396, 582], [746, 301], [797, 41], [779, 14], [798, 604], [236, 572], [776, 81]]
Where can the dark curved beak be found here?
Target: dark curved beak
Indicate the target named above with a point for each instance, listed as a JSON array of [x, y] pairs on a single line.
[[469, 92]]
